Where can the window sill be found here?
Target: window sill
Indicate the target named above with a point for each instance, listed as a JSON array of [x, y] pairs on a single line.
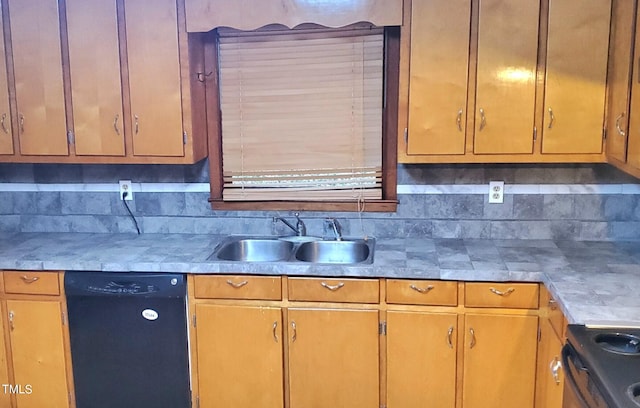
[[347, 206]]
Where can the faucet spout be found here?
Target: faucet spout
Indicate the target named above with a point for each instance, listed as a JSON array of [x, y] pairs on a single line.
[[300, 229], [337, 229]]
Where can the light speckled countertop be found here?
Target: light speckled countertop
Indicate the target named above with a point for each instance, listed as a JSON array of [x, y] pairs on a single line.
[[592, 281]]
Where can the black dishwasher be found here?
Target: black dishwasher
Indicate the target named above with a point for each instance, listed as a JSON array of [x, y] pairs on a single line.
[[128, 339]]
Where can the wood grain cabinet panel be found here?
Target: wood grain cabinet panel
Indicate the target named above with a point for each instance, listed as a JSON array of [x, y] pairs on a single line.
[[439, 60], [5, 397], [421, 359], [94, 60], [576, 74], [31, 283], [238, 287], [153, 58], [506, 76], [240, 360], [333, 358], [499, 361], [6, 134], [38, 352], [37, 61], [334, 290]]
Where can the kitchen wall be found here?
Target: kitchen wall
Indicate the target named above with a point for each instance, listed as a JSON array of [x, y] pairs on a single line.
[[576, 202]]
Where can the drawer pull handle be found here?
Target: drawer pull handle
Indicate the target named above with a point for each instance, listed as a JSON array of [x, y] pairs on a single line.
[[236, 285], [115, 124], [332, 288], [552, 118], [294, 336], [501, 293], [473, 338], [11, 320], [4, 127], [29, 280], [555, 367], [449, 335], [275, 335], [483, 119], [421, 290]]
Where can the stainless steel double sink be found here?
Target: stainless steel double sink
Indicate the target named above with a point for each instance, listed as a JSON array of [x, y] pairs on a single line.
[[295, 249]]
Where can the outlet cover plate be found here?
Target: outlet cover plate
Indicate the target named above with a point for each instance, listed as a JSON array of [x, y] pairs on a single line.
[[496, 192], [125, 186]]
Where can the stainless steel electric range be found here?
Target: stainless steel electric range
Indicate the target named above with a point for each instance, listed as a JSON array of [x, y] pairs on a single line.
[[602, 367]]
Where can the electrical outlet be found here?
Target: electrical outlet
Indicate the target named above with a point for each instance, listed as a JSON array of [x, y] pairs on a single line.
[[496, 192], [125, 187]]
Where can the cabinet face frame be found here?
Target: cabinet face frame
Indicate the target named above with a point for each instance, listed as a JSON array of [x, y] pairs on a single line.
[[6, 129]]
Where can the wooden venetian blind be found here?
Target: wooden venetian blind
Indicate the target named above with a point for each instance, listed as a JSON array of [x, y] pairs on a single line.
[[301, 115]]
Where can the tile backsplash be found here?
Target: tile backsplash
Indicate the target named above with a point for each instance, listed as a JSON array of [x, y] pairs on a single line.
[[575, 212]]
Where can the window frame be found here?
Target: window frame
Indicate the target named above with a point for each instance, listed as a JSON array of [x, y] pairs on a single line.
[[389, 201]]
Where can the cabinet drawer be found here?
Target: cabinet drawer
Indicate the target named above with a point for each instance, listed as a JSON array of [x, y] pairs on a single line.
[[422, 292], [32, 283], [334, 290], [238, 287], [503, 295]]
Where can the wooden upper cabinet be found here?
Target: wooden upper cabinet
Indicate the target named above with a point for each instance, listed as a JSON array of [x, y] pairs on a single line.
[[94, 59], [577, 56], [6, 136], [506, 76], [620, 79], [154, 77], [440, 32], [205, 15], [37, 62], [633, 152]]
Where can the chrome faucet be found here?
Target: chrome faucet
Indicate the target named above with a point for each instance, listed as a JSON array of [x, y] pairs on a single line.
[[335, 225], [300, 229]]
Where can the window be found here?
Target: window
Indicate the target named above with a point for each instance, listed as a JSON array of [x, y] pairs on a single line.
[[303, 122]]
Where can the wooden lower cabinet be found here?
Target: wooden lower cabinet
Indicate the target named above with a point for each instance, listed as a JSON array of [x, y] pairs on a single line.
[[37, 343], [421, 359], [5, 397], [333, 358], [240, 358], [550, 381], [499, 360]]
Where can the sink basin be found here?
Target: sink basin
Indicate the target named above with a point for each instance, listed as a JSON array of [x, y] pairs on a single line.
[[255, 250], [336, 252]]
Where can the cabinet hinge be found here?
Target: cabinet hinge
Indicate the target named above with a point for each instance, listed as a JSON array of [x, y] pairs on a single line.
[[406, 136], [184, 137], [194, 320], [535, 133], [382, 328], [604, 133], [71, 138]]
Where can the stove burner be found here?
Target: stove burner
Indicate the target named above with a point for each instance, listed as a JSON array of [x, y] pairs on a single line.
[[634, 393], [619, 343]]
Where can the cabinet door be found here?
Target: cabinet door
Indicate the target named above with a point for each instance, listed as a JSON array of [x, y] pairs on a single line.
[[333, 358], [154, 77], [619, 79], [6, 138], [37, 61], [633, 152], [239, 351], [416, 344], [499, 361], [5, 397], [506, 76], [577, 54], [38, 353], [94, 62], [439, 69], [550, 380]]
